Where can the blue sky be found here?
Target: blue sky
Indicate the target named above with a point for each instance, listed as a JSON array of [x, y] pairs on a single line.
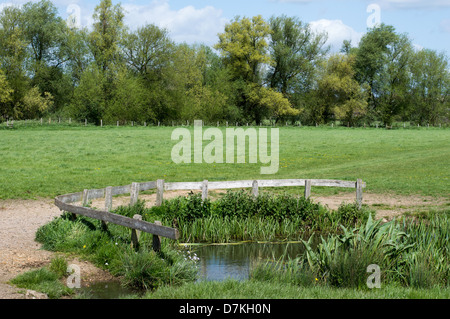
[[426, 22]]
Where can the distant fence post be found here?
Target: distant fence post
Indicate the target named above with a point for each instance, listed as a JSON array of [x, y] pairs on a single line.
[[134, 194], [205, 190], [307, 188], [255, 190], [359, 193], [159, 192]]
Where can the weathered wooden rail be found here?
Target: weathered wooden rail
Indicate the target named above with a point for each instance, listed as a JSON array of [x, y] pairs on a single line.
[[66, 202]]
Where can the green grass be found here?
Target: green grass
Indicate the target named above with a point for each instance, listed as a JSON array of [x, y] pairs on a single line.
[[48, 161], [48, 280], [232, 289], [111, 250]]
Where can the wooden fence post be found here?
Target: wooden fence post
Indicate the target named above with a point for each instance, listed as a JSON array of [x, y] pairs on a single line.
[[359, 193], [135, 234], [159, 192], [307, 188], [156, 245], [255, 191], [108, 205], [205, 190], [134, 194]]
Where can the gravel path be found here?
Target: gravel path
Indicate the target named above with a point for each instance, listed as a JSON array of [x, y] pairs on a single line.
[[19, 220]]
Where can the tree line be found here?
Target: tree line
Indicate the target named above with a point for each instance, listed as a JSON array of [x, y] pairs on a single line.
[[259, 69]]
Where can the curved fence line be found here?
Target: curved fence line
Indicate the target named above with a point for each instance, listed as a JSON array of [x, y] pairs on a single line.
[[66, 202]]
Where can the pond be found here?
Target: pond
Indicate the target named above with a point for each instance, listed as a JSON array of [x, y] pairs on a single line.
[[217, 263], [235, 261]]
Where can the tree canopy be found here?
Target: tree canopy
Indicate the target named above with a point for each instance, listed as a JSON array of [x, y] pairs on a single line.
[[275, 69]]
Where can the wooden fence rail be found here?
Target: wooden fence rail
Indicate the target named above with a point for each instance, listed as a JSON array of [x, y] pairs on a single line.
[[66, 202]]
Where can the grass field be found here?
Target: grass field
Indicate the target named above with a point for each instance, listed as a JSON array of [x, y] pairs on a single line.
[[52, 160], [48, 161]]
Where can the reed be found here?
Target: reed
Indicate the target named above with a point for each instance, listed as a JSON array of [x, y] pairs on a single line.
[[239, 216], [408, 252]]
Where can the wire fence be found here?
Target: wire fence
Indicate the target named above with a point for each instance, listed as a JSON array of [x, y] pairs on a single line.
[[62, 121]]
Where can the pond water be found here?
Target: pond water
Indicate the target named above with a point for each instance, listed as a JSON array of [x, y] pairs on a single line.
[[106, 290], [217, 263], [220, 262]]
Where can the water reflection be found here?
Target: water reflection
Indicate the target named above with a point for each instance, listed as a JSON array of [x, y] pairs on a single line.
[[106, 290], [220, 262]]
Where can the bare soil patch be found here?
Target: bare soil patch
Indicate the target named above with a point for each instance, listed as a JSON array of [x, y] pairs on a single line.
[[20, 219]]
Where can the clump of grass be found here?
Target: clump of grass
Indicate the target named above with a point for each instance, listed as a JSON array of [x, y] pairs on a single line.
[[47, 280], [148, 270], [111, 250], [58, 265], [286, 270]]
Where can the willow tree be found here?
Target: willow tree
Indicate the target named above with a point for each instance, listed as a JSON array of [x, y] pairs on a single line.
[[244, 48], [296, 51], [340, 96]]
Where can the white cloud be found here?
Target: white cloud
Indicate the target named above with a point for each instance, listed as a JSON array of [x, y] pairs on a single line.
[[337, 32], [188, 24], [392, 4]]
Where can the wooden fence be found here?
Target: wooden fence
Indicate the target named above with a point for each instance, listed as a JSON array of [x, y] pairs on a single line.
[[66, 202]]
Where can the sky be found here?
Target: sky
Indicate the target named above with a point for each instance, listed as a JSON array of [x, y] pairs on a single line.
[[426, 22]]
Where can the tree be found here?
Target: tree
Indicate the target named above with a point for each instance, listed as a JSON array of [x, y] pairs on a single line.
[[13, 54], [340, 94], [77, 51], [34, 104], [89, 99], [129, 100], [394, 80], [5, 94], [44, 30], [382, 62], [430, 91], [274, 104], [107, 34], [244, 48], [147, 51], [46, 33], [296, 51]]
